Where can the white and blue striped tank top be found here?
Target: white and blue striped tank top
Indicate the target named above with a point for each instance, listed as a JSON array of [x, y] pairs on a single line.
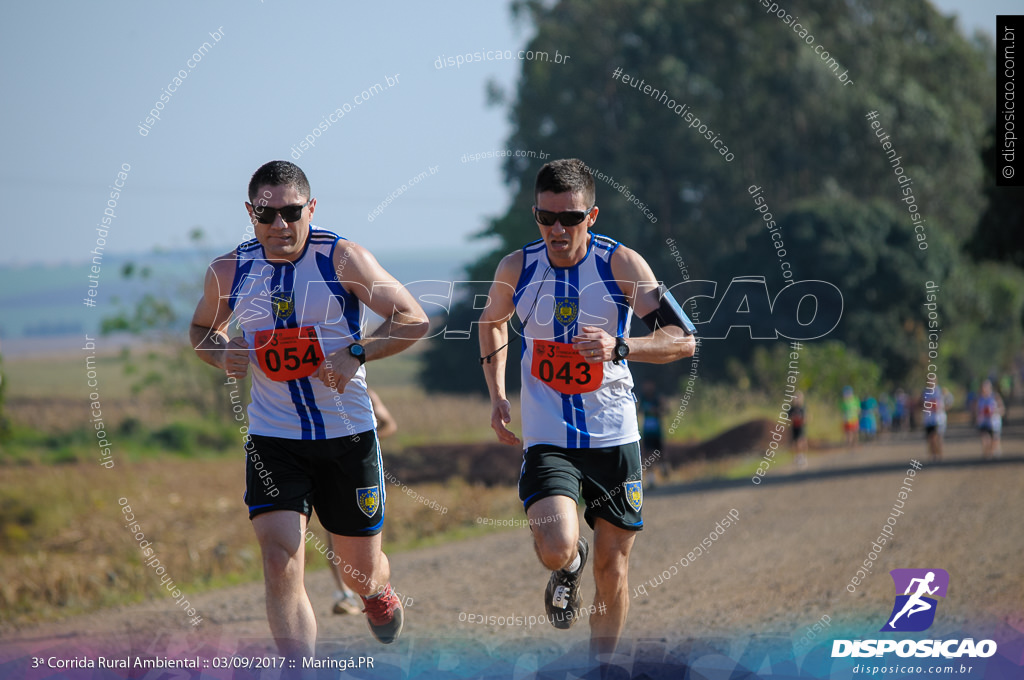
[[268, 295], [554, 303]]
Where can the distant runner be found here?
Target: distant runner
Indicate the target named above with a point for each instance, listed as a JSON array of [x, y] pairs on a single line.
[[651, 409], [798, 417], [933, 403], [849, 406], [901, 412], [988, 416]]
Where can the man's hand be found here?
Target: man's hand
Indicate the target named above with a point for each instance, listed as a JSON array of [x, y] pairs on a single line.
[[338, 369], [235, 358], [501, 413], [594, 344]]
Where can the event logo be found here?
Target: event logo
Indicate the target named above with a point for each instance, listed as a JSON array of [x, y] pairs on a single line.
[[914, 610]]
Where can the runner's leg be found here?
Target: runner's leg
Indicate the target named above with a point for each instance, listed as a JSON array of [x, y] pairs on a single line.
[[363, 565], [289, 612], [612, 546], [345, 601], [556, 529]]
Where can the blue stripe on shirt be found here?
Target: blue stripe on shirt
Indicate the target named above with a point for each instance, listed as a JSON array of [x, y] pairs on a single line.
[[577, 399], [300, 409], [318, 419]]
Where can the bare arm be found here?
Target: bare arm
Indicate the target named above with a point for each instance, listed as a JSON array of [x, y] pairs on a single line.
[[494, 335], [208, 332], [666, 344], [404, 319], [386, 425]]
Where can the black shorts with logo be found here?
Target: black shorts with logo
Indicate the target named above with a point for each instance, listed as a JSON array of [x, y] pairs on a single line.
[[341, 478], [609, 479]]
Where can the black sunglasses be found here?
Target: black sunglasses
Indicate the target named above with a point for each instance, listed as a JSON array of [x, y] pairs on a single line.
[[289, 213], [568, 218]]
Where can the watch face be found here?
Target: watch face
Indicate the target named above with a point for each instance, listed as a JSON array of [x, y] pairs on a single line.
[[622, 350]]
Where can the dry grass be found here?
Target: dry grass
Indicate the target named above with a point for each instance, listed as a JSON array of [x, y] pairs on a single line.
[[65, 549], [436, 418], [72, 551]]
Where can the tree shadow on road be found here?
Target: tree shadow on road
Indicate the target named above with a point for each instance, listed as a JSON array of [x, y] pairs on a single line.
[[804, 477]]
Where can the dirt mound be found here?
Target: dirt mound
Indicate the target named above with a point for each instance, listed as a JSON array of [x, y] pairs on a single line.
[[493, 464], [489, 464], [742, 439]]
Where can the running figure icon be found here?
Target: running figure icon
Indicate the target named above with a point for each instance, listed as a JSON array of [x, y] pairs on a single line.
[[915, 604]]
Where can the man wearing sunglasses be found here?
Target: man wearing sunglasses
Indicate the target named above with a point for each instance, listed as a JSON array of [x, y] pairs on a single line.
[[297, 293], [575, 293]]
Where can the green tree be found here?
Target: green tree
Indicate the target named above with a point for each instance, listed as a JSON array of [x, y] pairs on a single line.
[[794, 128], [998, 233], [824, 367], [869, 251], [982, 319]]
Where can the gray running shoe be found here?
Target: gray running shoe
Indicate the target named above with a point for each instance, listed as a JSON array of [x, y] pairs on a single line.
[[562, 596]]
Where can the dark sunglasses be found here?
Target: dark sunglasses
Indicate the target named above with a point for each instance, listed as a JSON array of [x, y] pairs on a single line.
[[568, 218], [289, 213]]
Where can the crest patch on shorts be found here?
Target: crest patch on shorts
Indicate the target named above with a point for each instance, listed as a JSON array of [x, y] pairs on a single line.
[[634, 494], [368, 500]]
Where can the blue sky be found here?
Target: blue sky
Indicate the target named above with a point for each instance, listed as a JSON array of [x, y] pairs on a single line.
[[79, 78]]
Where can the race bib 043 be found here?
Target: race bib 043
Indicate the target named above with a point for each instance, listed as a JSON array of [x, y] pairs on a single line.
[[560, 367], [289, 353]]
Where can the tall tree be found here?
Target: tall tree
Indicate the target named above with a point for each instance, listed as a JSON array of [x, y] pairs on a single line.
[[791, 124], [870, 253], [999, 235]]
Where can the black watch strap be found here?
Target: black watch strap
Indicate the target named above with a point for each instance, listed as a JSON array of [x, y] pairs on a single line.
[[358, 351], [621, 350]]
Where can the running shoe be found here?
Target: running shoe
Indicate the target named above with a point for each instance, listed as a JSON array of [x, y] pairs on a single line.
[[562, 596], [384, 614], [345, 603]]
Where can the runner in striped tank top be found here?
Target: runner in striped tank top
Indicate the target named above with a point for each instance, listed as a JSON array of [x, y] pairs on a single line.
[[574, 293], [297, 294]]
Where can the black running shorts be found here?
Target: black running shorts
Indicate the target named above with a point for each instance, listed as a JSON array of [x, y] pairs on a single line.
[[609, 479], [341, 478]]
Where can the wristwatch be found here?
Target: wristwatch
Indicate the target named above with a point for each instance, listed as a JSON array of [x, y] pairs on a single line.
[[621, 350], [357, 350]]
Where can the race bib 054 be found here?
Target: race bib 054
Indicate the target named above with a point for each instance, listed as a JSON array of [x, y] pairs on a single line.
[[289, 353]]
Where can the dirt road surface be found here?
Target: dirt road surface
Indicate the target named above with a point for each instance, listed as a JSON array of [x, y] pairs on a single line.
[[748, 601]]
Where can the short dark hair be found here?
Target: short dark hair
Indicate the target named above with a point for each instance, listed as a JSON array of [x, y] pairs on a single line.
[[566, 174], [278, 174]]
